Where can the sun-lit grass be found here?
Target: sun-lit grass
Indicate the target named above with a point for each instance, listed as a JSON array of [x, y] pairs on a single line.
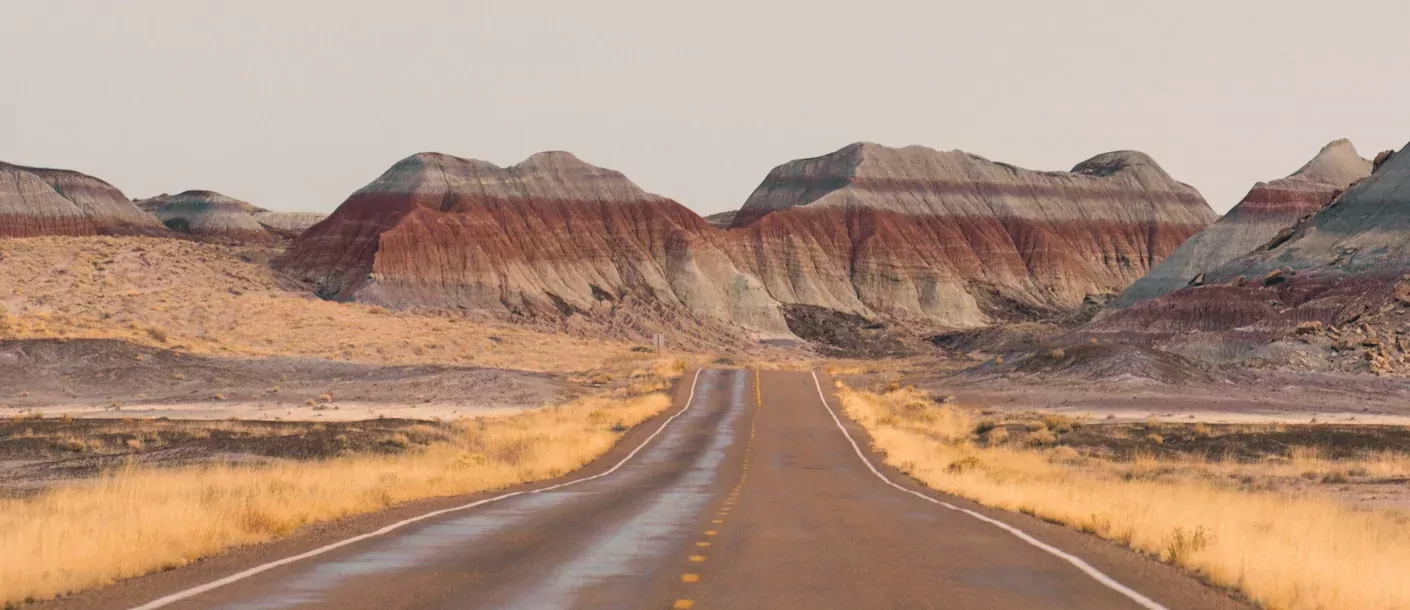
[[1285, 551], [226, 301], [136, 521]]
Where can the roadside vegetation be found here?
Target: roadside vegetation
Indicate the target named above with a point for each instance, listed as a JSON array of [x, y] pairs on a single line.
[[1266, 525], [136, 520], [219, 300]]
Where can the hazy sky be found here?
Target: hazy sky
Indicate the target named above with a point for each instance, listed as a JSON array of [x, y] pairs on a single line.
[[294, 105]]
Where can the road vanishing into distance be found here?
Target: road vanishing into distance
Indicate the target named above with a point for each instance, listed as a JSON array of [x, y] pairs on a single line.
[[751, 492]]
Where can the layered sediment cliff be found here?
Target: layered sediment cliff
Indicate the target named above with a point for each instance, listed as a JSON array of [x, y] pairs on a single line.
[[1267, 213], [945, 239], [37, 201]]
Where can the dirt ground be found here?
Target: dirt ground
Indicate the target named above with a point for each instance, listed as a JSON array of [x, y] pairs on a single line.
[[38, 451], [99, 378]]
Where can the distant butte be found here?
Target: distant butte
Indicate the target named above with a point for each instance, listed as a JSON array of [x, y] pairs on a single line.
[[208, 214], [37, 201], [958, 239], [942, 238]]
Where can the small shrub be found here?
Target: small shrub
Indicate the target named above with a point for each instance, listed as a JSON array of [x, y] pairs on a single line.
[[1181, 545], [1058, 423], [996, 436], [1057, 354], [965, 464], [1040, 437], [1155, 438], [1335, 478]]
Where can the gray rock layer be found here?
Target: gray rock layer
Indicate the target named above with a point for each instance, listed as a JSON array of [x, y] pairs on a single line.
[[1268, 209]]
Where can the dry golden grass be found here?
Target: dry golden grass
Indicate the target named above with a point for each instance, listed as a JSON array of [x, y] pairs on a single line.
[[1284, 551], [208, 299], [137, 521]]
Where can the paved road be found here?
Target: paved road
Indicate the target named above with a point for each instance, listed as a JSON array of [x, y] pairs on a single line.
[[751, 496]]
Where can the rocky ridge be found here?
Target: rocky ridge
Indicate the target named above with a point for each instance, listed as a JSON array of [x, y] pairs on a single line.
[[551, 235], [945, 239], [1335, 293], [957, 239], [1265, 215], [38, 201], [208, 214]]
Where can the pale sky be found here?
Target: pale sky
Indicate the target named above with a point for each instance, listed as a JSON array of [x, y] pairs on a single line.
[[293, 105]]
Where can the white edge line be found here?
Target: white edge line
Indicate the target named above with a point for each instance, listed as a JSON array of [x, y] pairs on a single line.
[[1087, 568], [238, 576]]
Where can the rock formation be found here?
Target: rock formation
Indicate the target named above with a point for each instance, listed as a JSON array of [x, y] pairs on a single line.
[[944, 239], [209, 214], [1269, 209], [288, 224], [1343, 268], [36, 201], [550, 234], [721, 220], [957, 239]]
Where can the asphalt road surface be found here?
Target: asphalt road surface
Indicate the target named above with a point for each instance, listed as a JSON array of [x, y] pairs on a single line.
[[749, 494]]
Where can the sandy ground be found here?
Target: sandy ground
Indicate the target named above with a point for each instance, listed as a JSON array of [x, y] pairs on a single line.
[[113, 379], [340, 411]]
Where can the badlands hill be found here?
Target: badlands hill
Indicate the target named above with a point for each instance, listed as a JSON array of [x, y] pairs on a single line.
[[1267, 213], [36, 201], [953, 237], [946, 239], [551, 234], [212, 215], [1340, 276]]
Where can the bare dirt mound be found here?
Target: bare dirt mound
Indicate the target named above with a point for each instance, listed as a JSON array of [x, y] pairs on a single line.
[[1113, 362], [997, 339], [845, 335]]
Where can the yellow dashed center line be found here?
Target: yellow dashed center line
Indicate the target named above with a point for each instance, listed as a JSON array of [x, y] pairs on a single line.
[[684, 603]]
